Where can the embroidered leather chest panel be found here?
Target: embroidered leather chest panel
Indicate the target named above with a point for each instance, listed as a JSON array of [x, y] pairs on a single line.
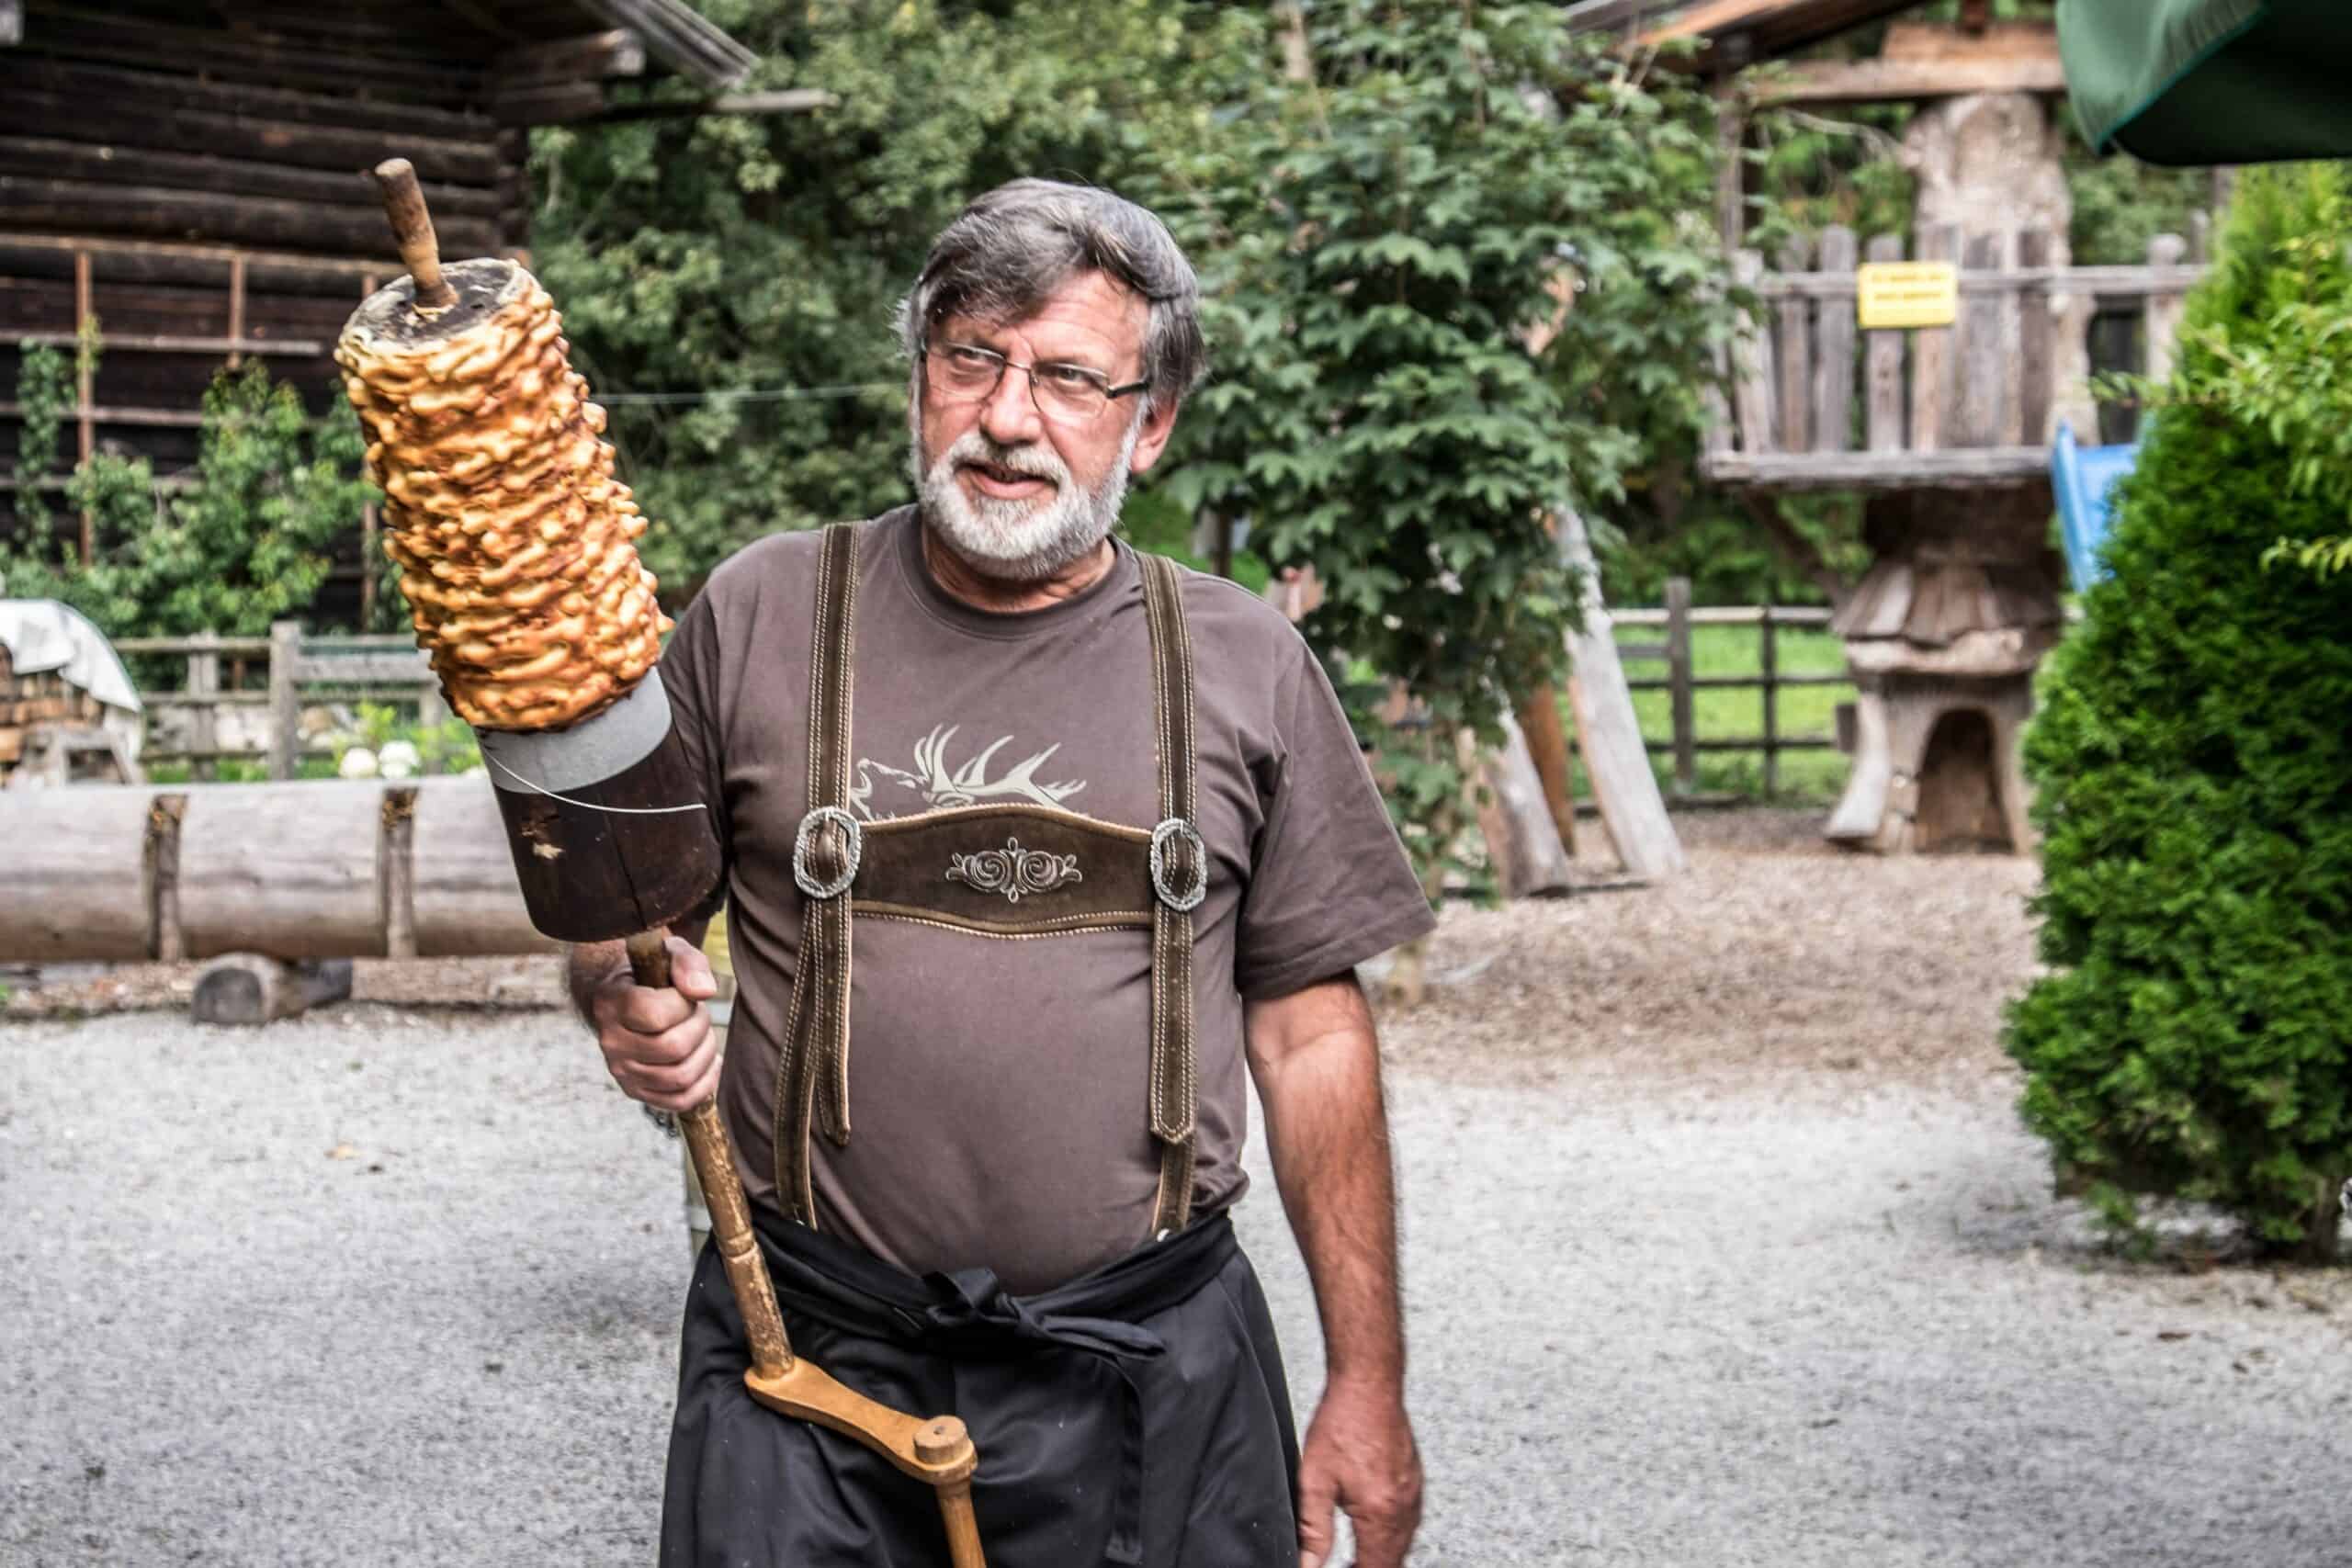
[[1006, 871]]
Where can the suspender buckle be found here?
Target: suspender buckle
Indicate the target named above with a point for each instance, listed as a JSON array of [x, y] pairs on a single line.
[[804, 874], [1187, 897]]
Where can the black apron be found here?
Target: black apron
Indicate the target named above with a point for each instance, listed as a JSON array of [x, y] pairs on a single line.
[[1137, 1416]]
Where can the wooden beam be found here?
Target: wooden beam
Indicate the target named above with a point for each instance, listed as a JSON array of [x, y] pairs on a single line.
[[796, 100], [55, 157], [2117, 281], [83, 395], [36, 111], [682, 40], [594, 57], [163, 89], [284, 348], [1888, 81], [187, 418], [547, 103], [1957, 467], [159, 213], [166, 261]]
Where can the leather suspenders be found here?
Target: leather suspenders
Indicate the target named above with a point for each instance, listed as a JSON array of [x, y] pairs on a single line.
[[944, 867]]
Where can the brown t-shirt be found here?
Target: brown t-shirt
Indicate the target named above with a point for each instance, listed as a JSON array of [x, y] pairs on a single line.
[[998, 1086]]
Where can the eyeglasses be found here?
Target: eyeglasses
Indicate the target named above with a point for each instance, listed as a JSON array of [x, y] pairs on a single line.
[[1067, 394]]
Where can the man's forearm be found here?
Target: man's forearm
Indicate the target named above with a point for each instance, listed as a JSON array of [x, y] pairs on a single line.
[[1326, 1132]]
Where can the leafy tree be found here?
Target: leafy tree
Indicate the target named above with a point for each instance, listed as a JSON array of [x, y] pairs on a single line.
[[2193, 772], [1380, 244], [740, 275], [247, 543]]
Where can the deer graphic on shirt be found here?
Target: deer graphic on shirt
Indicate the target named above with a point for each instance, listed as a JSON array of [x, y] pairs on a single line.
[[936, 784]]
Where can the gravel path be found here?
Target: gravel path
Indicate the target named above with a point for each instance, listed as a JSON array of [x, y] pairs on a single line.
[[1723, 1247]]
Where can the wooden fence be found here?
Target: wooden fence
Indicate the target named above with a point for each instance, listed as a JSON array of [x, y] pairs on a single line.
[[272, 678], [220, 687], [1674, 619]]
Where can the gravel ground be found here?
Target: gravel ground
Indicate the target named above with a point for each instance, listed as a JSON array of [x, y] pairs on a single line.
[[1723, 1247]]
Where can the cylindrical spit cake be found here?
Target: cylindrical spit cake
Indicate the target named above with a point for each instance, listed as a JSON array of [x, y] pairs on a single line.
[[515, 542]]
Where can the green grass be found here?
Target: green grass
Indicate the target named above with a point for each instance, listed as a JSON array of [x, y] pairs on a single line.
[[1805, 777]]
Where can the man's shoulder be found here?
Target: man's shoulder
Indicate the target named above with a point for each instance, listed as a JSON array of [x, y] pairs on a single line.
[[773, 566], [1225, 618]]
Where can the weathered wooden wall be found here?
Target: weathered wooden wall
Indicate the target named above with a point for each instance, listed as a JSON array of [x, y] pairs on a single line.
[[194, 176]]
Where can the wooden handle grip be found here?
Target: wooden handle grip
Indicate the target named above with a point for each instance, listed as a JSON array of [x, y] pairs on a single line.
[[413, 230], [722, 1192]]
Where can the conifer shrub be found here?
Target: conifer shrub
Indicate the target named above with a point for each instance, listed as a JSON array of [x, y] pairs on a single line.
[[2192, 762]]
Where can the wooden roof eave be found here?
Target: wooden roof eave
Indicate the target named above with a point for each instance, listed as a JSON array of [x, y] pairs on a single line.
[[680, 39]]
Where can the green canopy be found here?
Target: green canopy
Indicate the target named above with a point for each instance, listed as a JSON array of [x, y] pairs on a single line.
[[2211, 81]]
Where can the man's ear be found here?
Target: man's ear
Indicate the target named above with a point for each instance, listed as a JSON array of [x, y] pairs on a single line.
[[1152, 439]]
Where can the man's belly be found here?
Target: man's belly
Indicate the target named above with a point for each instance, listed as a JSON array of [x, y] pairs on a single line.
[[997, 1099]]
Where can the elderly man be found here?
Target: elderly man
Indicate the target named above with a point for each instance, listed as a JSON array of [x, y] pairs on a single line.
[[1033, 842]]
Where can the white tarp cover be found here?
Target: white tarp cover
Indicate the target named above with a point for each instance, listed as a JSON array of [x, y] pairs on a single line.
[[42, 635]]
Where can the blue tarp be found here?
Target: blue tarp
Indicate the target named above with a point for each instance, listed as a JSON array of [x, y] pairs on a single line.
[[2082, 479]]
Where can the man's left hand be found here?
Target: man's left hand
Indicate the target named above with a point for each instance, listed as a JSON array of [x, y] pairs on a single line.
[[1359, 1454]]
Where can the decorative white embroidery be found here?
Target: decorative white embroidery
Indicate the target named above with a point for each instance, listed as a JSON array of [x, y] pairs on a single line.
[[1013, 870], [941, 786]]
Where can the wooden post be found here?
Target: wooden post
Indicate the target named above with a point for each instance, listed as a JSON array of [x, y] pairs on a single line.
[[1796, 352], [2164, 309], [85, 396], [1883, 421], [1678, 672], [2037, 348], [1833, 363], [284, 708], [1547, 744], [204, 681], [1731, 132], [369, 564], [1931, 352], [1607, 735], [236, 306], [1751, 351], [1769, 668], [1984, 375]]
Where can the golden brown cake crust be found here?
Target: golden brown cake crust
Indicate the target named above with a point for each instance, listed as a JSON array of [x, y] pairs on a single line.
[[515, 542]]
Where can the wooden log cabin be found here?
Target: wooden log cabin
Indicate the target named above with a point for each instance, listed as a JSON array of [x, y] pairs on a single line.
[[192, 173]]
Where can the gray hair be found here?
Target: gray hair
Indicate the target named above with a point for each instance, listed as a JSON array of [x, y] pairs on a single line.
[[1013, 246]]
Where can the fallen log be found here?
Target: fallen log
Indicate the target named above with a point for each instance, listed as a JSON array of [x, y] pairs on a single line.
[[359, 869]]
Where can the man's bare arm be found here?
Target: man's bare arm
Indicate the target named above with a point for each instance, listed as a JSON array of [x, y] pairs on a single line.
[[657, 1041], [1316, 1062]]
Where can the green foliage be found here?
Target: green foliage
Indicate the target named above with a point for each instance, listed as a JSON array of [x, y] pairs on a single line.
[[2194, 777], [244, 546], [760, 259], [1378, 245]]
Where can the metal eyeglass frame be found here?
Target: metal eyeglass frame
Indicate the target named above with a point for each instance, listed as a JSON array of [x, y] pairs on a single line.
[[1006, 362]]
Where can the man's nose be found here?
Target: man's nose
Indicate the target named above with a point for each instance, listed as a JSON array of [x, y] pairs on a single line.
[[1010, 418]]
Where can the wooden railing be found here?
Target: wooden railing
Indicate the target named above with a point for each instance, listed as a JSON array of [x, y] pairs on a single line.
[[1816, 402], [352, 667]]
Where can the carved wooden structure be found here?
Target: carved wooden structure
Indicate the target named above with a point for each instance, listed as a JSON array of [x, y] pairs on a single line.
[[192, 177], [1944, 430]]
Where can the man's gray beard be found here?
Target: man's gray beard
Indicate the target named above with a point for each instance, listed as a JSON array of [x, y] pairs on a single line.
[[1020, 541]]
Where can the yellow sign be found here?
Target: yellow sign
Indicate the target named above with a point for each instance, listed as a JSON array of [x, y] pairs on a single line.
[[1906, 294]]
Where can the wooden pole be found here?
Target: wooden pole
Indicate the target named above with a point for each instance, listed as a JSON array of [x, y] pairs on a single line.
[[413, 230], [236, 307], [1608, 735], [204, 681], [1678, 672], [1769, 662], [285, 709], [1547, 745], [85, 394]]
